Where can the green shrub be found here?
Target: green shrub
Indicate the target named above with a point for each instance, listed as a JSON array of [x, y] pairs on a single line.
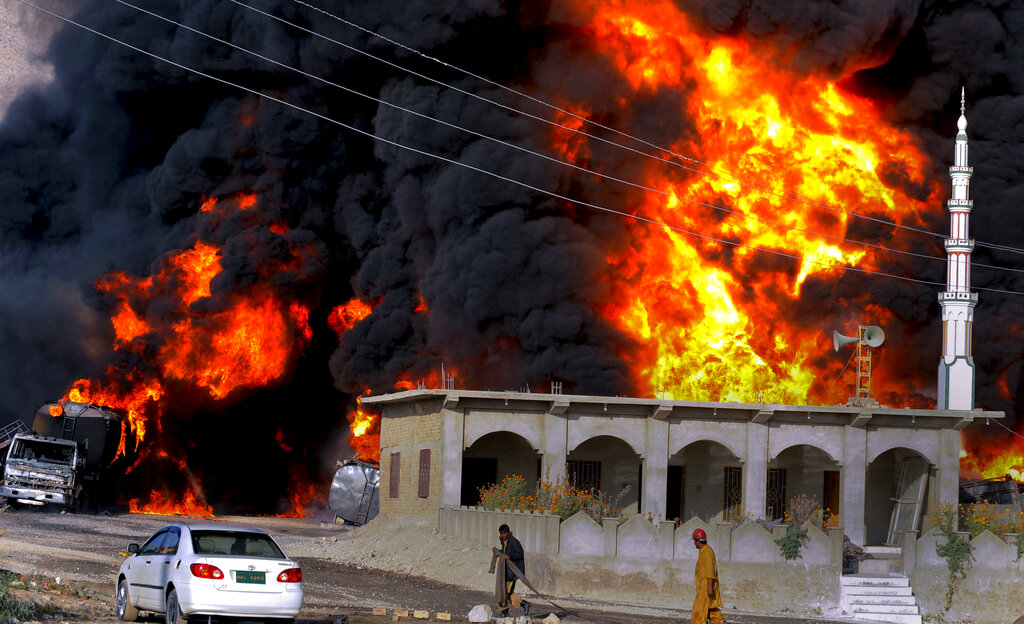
[[794, 539], [10, 607]]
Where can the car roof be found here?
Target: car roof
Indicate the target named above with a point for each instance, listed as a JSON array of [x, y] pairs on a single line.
[[217, 526]]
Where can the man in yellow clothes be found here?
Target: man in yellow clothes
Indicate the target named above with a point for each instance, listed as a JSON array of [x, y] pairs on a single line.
[[707, 606]]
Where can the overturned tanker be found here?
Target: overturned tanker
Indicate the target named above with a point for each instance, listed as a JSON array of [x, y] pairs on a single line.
[[354, 492], [67, 458]]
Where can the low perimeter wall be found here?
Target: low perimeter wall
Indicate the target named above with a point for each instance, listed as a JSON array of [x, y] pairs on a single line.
[[993, 590], [638, 561]]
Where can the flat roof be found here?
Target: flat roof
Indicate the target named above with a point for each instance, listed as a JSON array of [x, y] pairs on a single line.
[[662, 409]]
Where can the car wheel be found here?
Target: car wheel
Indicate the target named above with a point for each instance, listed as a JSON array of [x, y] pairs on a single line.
[[126, 612], [174, 614]]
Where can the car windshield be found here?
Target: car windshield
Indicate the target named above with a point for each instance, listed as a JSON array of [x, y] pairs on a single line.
[[242, 543], [41, 451]]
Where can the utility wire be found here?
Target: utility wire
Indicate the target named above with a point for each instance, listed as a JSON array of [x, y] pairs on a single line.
[[545, 156], [590, 205], [996, 421], [713, 171]]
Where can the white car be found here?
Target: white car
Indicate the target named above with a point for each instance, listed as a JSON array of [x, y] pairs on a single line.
[[209, 569]]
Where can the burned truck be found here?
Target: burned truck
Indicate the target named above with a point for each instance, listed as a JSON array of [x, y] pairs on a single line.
[[65, 459]]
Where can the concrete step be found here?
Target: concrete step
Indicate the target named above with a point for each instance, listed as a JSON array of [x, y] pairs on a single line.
[[892, 619], [877, 590], [874, 580], [877, 565], [881, 600], [890, 551], [887, 609]]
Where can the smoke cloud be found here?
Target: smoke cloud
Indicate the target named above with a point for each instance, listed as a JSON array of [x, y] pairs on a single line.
[[106, 169]]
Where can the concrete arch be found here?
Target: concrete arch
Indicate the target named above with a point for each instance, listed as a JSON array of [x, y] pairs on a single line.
[[776, 453], [733, 444], [876, 450], [828, 440], [625, 430], [607, 435], [524, 430]]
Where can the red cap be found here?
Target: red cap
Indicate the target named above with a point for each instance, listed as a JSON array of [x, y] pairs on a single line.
[[700, 534]]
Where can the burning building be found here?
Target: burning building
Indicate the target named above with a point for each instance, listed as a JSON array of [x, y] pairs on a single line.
[[234, 272]]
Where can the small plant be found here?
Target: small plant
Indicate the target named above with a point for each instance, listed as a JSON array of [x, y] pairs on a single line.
[[10, 607], [1019, 543], [957, 550], [791, 543]]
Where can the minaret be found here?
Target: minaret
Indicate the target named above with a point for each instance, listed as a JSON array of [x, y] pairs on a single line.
[[956, 368]]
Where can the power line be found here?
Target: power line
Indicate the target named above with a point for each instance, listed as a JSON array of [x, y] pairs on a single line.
[[590, 205], [713, 171], [545, 156], [550, 158]]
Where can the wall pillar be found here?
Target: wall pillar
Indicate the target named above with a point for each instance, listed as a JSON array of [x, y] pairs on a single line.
[[453, 426], [949, 466], [654, 497], [755, 470], [553, 445], [852, 484]]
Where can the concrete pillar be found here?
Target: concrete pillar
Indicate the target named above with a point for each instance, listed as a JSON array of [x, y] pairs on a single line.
[[755, 470], [553, 447], [453, 424], [611, 536], [655, 486], [853, 482], [949, 466], [667, 540], [723, 540]]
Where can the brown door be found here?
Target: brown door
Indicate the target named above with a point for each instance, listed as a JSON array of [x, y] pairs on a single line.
[[831, 494]]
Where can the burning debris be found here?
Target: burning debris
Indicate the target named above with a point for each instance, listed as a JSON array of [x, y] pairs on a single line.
[[233, 274]]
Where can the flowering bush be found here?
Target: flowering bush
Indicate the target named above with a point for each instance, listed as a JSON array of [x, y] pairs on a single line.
[[803, 509], [977, 517], [551, 497]]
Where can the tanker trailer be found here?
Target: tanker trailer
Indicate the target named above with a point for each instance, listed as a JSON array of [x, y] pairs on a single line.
[[354, 491], [66, 459]]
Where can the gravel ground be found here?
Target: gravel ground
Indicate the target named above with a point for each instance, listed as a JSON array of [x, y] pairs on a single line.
[[347, 571]]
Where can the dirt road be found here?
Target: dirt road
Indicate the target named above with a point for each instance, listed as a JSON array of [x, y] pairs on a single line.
[[83, 549]]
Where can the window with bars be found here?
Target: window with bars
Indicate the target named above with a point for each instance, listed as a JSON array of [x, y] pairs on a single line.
[[585, 475], [732, 495], [775, 494], [424, 484], [395, 474]]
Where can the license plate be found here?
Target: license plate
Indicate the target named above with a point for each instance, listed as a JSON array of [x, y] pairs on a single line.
[[244, 576]]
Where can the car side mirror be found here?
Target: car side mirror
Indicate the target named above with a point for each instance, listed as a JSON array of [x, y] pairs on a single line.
[[133, 548]]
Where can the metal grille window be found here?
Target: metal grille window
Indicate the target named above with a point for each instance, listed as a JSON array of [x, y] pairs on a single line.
[[424, 489], [775, 494], [395, 474], [585, 475], [732, 496]]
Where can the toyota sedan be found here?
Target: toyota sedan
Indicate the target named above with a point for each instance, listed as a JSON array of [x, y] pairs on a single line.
[[209, 569]]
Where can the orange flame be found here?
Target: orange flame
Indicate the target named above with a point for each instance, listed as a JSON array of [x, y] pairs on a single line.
[[365, 439], [164, 505], [710, 320], [344, 317], [249, 340]]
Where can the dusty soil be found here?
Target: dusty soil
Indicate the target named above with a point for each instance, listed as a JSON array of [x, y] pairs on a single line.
[[346, 571]]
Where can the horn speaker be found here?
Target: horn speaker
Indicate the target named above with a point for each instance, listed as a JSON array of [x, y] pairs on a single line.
[[839, 340]]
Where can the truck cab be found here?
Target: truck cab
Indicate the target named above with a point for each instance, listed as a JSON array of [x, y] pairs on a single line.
[[40, 469]]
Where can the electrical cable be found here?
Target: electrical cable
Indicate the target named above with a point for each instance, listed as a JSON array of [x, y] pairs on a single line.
[[713, 170], [545, 156], [570, 200]]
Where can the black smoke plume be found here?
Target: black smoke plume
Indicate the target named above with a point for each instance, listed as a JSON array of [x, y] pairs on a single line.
[[106, 168]]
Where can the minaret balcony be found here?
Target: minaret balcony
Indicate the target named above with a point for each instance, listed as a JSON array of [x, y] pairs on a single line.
[[958, 297], [961, 169], [960, 205], [959, 244]]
